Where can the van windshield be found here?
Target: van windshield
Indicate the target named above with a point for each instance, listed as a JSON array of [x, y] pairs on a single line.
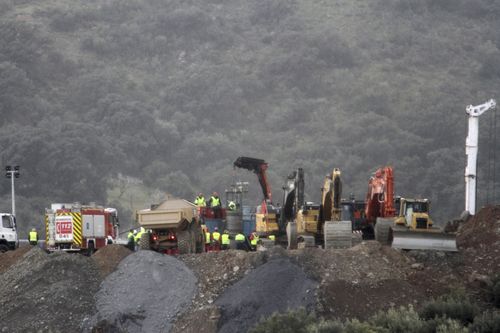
[[6, 222]]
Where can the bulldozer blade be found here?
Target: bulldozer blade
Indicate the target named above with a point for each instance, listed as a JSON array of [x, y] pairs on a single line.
[[424, 240]]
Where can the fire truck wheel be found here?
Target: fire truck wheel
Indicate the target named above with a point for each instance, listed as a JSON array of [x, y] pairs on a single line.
[[91, 248], [145, 241]]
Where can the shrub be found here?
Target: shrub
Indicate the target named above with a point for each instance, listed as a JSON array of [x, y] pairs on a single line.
[[402, 320], [454, 306], [293, 321], [494, 291], [488, 322]]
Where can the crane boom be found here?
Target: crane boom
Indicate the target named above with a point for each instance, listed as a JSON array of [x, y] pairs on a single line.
[[471, 149]]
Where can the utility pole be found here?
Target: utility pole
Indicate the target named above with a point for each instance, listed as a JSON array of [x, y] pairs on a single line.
[[12, 173], [471, 149]]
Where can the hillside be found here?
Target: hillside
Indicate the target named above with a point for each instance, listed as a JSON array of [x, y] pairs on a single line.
[[97, 96]]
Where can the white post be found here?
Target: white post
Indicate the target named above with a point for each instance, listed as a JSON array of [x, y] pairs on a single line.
[[471, 149], [13, 196]]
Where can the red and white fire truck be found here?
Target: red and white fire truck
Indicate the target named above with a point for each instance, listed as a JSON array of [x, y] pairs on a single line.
[[76, 227]]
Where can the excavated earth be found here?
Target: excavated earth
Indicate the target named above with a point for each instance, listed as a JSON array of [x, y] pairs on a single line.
[[116, 290]]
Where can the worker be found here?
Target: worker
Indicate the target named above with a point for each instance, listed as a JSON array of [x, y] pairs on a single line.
[[216, 239], [241, 242], [33, 237], [200, 200], [137, 237], [225, 240], [208, 239], [273, 238], [254, 240], [215, 204], [130, 240], [231, 205]]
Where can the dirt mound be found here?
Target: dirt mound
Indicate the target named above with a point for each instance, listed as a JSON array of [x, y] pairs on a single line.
[[108, 258], [276, 286], [9, 258], [146, 292], [47, 293], [346, 299], [482, 230]]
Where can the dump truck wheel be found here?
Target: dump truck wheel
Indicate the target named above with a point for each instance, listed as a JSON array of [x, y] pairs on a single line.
[[383, 230], [145, 241], [184, 242]]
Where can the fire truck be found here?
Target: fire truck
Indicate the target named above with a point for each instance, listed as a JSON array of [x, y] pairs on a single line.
[[79, 228]]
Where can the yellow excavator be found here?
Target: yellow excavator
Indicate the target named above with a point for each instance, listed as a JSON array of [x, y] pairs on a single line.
[[309, 224]]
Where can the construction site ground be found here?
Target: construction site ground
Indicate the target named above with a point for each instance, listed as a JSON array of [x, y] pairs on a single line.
[[117, 290]]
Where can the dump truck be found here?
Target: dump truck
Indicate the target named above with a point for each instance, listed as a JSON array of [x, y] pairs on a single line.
[[8, 233], [79, 228], [173, 227]]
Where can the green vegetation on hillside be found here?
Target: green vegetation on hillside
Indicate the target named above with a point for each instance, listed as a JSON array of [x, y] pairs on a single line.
[[172, 92]]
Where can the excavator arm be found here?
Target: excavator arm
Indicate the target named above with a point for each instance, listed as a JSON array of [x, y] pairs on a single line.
[[259, 167], [380, 195]]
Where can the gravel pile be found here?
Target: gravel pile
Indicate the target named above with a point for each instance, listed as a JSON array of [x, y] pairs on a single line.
[[276, 286], [145, 293], [47, 293], [108, 258]]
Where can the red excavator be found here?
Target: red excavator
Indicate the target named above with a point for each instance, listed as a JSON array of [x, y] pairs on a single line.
[[379, 208], [266, 222], [407, 226]]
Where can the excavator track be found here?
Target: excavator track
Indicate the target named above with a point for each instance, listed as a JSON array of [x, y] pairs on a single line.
[[383, 231], [338, 234], [430, 239]]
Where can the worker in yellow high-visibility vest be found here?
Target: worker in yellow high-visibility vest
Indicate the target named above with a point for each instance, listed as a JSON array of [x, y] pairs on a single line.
[[33, 237], [241, 241], [216, 239], [225, 240]]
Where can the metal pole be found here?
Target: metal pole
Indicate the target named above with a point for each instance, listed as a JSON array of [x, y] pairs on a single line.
[[13, 195]]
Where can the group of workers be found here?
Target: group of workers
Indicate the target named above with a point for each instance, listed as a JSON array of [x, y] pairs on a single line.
[[215, 241], [133, 238], [214, 202]]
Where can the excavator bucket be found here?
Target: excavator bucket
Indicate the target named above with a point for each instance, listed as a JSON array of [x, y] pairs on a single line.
[[338, 234], [435, 240]]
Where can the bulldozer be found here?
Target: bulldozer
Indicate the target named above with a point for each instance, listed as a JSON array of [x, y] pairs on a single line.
[[402, 222], [413, 228]]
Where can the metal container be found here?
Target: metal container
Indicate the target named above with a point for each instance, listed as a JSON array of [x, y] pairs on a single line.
[[248, 226], [234, 222], [212, 223]]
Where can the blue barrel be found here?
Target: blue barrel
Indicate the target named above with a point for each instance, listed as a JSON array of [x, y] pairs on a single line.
[[248, 226], [212, 223]]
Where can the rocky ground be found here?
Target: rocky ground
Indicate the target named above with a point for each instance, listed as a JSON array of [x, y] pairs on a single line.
[[119, 291]]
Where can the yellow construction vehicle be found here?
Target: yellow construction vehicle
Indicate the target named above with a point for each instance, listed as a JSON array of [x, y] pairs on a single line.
[[316, 224], [413, 228]]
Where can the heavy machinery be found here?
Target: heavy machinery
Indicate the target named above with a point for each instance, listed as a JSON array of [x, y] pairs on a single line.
[[8, 233], [266, 216], [309, 224], [471, 149], [173, 227], [337, 232], [379, 207], [75, 227], [402, 222], [413, 228]]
